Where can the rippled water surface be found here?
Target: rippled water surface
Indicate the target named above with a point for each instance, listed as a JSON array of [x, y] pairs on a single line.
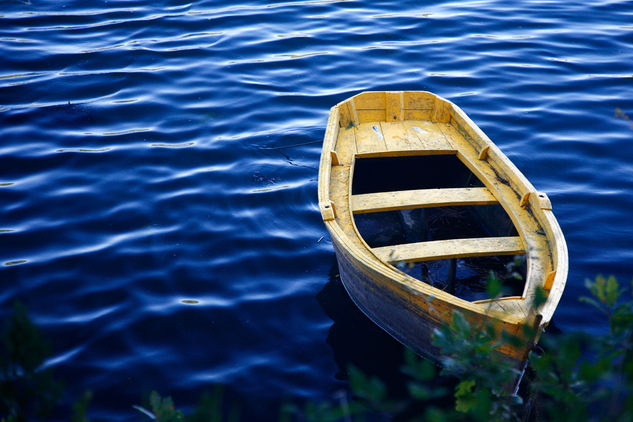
[[158, 171]]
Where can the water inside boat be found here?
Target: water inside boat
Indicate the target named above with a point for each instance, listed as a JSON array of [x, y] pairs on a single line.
[[465, 277]]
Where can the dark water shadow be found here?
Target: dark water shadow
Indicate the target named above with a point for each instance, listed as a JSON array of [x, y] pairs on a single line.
[[356, 341]]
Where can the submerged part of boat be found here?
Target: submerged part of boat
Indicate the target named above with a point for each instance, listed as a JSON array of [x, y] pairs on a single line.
[[421, 206]]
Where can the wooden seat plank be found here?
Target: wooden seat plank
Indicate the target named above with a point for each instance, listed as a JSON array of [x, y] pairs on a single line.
[[420, 198], [369, 138], [453, 248]]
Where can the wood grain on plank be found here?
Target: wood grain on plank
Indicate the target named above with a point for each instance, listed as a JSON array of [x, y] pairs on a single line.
[[427, 135], [396, 136], [369, 138], [454, 248], [420, 198]]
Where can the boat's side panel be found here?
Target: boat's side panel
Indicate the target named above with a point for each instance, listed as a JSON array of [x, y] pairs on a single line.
[[388, 310], [560, 258], [406, 314]]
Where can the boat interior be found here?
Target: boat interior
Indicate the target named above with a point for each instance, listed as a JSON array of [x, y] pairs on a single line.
[[389, 224]]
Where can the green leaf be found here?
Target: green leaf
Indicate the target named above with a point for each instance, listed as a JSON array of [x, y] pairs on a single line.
[[597, 288], [80, 407], [464, 396], [511, 339], [516, 400], [286, 411], [490, 331], [540, 297], [417, 367], [459, 324], [592, 302], [433, 414], [464, 387], [494, 285], [419, 391], [612, 291], [155, 401], [209, 407], [163, 408], [516, 276], [371, 389]]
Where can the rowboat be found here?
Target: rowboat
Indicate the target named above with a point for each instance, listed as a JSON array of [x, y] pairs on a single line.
[[420, 205]]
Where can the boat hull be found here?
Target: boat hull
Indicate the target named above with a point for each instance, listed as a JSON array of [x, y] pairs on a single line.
[[409, 317], [388, 309], [385, 125]]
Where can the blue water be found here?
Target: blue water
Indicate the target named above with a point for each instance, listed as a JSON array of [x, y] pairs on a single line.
[[158, 173]]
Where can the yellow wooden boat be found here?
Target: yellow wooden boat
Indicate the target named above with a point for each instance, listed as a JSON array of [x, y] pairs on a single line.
[[414, 194]]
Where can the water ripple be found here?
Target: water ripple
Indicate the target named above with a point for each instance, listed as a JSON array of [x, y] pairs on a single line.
[[159, 168]]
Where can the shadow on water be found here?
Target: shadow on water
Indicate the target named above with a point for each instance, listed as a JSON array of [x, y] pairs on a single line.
[[356, 341]]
